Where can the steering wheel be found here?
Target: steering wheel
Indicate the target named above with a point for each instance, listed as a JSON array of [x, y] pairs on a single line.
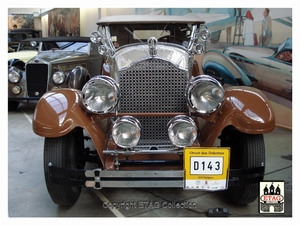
[[171, 39]]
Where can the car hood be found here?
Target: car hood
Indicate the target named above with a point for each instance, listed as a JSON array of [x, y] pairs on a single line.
[[25, 56], [55, 56], [250, 51]]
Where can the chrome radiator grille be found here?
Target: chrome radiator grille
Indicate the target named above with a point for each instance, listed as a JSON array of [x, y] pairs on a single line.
[[153, 86]]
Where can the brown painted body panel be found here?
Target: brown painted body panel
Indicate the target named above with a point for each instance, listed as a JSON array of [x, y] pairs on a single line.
[[245, 108], [58, 112]]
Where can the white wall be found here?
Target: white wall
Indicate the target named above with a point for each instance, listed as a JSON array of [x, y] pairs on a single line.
[[88, 20]]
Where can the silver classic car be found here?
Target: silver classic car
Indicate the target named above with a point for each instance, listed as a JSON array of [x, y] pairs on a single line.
[[61, 62], [153, 120]]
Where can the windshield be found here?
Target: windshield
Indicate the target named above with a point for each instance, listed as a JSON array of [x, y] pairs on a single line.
[[287, 44], [66, 46], [122, 34], [17, 37], [25, 45]]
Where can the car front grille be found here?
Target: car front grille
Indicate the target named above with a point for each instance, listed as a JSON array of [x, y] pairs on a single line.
[[153, 86], [37, 76]]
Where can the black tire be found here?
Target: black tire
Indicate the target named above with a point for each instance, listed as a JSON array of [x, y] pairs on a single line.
[[13, 105], [64, 152], [247, 151]]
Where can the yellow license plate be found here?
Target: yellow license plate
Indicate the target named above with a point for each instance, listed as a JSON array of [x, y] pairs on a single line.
[[206, 168]]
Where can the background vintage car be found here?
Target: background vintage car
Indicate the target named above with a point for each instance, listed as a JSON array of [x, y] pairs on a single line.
[[16, 36], [23, 52], [153, 120], [267, 68], [61, 62]]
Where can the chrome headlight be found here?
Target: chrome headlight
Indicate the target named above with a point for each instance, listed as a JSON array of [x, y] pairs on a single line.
[[58, 77], [126, 132], [95, 36], [33, 43], [102, 50], [100, 94], [204, 94], [182, 131], [205, 35], [14, 75]]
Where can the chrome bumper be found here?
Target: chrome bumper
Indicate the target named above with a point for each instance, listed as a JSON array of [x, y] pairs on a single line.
[[99, 179]]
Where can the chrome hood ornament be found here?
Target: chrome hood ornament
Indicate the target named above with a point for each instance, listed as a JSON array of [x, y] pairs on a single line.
[[152, 43]]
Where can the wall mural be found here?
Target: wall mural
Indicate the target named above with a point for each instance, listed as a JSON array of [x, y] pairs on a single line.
[[21, 21], [258, 42], [271, 70], [64, 22]]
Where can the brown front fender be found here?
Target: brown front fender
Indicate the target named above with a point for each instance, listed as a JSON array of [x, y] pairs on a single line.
[[245, 108], [58, 112]]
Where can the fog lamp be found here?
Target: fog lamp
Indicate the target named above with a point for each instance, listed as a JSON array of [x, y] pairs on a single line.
[[126, 132], [182, 131], [16, 90]]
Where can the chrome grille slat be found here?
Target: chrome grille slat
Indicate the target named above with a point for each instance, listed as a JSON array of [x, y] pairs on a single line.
[[153, 86]]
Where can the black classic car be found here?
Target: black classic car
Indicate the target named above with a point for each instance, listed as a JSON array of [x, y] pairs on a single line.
[[17, 35], [153, 119], [61, 62]]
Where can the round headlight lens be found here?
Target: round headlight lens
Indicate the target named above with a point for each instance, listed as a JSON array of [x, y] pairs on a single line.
[[199, 48], [205, 35], [182, 131], [100, 94], [33, 43], [95, 36], [14, 75], [16, 90], [58, 77], [204, 94], [126, 132], [102, 49]]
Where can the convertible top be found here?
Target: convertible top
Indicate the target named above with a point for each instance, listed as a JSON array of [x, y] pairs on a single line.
[[138, 19]]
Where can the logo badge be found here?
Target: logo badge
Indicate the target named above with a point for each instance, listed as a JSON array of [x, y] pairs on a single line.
[[271, 197]]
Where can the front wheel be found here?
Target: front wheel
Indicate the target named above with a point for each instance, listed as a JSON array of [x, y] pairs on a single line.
[[64, 152], [247, 151]]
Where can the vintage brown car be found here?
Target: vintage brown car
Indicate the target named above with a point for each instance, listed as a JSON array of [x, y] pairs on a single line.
[[154, 121]]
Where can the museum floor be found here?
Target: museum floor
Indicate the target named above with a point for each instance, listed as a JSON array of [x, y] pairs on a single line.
[[28, 196]]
